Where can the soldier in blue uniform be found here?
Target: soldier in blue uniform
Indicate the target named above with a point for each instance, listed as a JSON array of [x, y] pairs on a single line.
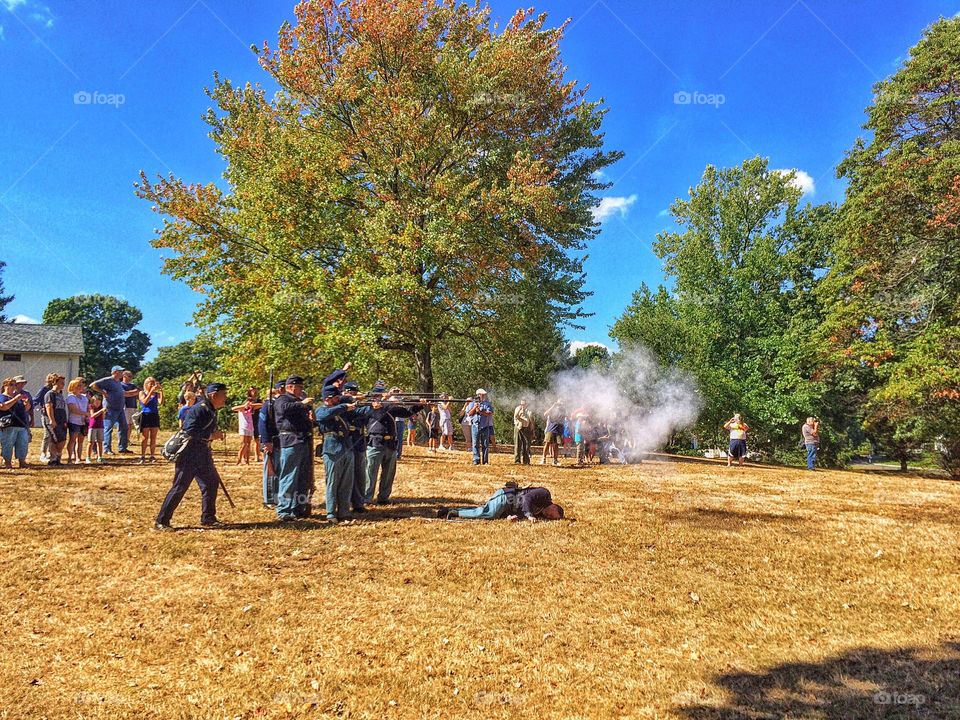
[[195, 462], [357, 438], [267, 426], [295, 434], [383, 441], [480, 415], [333, 420]]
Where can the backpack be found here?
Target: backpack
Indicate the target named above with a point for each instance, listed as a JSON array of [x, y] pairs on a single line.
[[178, 442]]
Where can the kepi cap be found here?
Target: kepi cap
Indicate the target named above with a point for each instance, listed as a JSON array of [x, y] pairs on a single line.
[[215, 387], [330, 391], [294, 380]]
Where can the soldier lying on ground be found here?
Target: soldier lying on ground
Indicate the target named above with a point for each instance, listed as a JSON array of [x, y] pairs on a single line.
[[512, 502]]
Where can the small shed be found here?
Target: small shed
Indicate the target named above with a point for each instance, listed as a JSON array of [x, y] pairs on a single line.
[[34, 351]]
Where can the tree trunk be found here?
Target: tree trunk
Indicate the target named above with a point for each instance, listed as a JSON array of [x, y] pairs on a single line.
[[424, 368], [903, 464]]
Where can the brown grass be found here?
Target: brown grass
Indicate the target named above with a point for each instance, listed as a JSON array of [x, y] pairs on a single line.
[[682, 590]]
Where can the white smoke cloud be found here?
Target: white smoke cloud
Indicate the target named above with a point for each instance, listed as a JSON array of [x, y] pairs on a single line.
[[643, 403]]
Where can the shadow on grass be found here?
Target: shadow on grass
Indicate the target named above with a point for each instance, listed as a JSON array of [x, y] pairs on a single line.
[[726, 519], [859, 684]]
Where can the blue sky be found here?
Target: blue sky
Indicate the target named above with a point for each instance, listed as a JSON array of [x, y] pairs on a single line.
[[95, 91]]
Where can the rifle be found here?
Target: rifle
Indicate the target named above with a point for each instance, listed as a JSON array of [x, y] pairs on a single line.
[[225, 493]]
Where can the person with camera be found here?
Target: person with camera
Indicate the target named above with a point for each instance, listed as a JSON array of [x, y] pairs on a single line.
[[14, 421], [195, 461], [811, 440], [151, 398], [738, 439], [480, 412]]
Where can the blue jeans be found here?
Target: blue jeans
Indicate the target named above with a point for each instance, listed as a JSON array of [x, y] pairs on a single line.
[[495, 508], [481, 444], [338, 471], [811, 455], [14, 441], [114, 419], [382, 461], [293, 473]]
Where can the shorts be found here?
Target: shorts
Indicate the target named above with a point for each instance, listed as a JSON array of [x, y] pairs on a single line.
[[434, 433], [246, 431], [96, 435], [77, 429], [446, 427], [149, 420], [738, 449], [550, 437]]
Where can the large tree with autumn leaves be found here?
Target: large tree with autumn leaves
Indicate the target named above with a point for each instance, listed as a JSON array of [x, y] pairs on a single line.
[[896, 278], [421, 176]]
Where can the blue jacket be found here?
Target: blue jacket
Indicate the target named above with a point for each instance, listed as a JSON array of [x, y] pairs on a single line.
[[334, 423]]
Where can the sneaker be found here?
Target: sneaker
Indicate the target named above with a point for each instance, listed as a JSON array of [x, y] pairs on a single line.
[[99, 459], [87, 461], [162, 527], [543, 461], [215, 523], [332, 520], [556, 462], [443, 512], [141, 461], [152, 459], [287, 518], [453, 515]]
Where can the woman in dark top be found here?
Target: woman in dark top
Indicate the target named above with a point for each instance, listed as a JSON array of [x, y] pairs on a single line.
[[55, 410], [151, 398], [14, 436]]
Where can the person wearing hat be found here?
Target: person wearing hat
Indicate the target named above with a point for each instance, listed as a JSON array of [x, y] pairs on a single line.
[[383, 440], [480, 413], [334, 419], [357, 440], [295, 466], [522, 430], [195, 462], [114, 400], [513, 502], [14, 435], [267, 424], [129, 408]]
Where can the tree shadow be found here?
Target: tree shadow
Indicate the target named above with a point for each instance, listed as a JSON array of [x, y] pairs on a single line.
[[717, 518], [863, 683]]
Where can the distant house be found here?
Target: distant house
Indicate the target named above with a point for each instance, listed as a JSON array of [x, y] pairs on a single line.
[[36, 350]]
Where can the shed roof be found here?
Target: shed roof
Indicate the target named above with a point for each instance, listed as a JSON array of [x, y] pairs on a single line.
[[54, 339]]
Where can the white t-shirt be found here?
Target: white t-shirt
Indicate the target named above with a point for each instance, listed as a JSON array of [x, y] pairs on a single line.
[[77, 408]]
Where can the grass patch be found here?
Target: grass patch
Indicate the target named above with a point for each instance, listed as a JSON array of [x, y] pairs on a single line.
[[683, 590]]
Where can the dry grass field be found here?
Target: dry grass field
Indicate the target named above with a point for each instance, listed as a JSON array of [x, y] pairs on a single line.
[[681, 590]]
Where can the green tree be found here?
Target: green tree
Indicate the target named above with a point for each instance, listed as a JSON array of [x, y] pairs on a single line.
[[592, 357], [177, 362], [4, 299], [110, 336], [896, 280], [741, 314], [416, 167]]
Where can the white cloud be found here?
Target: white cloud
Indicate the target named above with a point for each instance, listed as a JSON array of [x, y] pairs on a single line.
[[801, 180], [2, 35], [25, 320], [609, 206], [577, 344], [37, 12], [664, 213]]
